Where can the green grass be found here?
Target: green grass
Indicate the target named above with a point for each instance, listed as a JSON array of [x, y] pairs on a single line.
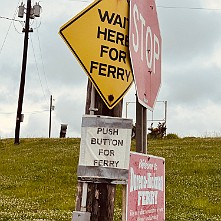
[[38, 179], [193, 178]]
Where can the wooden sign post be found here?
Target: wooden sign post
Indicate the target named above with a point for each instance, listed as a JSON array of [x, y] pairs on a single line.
[[100, 196]]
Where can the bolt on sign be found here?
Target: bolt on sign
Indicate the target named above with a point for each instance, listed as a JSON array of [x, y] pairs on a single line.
[[98, 37], [145, 50], [146, 188], [105, 147]]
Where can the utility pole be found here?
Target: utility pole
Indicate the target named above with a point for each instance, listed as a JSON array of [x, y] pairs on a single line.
[[26, 30], [50, 117], [23, 73]]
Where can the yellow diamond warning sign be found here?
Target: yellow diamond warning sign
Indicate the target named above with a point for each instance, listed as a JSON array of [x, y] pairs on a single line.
[[98, 37]]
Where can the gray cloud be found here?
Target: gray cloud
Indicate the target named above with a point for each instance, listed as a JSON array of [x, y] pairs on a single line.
[[188, 35]]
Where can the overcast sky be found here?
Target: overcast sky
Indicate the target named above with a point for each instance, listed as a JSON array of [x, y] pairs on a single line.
[[191, 79]]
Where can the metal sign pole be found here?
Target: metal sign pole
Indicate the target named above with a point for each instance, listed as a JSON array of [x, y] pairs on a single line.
[[141, 128]]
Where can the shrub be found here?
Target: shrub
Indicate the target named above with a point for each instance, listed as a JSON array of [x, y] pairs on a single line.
[[171, 136]]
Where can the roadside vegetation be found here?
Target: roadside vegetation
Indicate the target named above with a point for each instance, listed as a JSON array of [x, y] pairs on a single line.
[[38, 178]]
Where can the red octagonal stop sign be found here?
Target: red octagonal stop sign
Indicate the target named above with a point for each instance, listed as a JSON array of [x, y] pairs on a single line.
[[145, 50]]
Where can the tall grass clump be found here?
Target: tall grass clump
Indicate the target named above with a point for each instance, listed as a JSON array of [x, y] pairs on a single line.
[[171, 136]]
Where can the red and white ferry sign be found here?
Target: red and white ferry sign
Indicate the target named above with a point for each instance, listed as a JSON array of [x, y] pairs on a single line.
[[146, 188], [145, 50]]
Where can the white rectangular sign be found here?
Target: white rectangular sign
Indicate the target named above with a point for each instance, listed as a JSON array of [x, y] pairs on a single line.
[[105, 143]]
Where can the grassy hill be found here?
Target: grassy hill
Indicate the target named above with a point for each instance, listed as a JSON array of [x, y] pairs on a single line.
[[38, 178]]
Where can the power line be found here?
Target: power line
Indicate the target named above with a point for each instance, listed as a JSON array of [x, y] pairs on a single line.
[[42, 61], [189, 8], [9, 27], [7, 113], [172, 7], [36, 112], [37, 69], [79, 0], [32, 112], [11, 19]]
